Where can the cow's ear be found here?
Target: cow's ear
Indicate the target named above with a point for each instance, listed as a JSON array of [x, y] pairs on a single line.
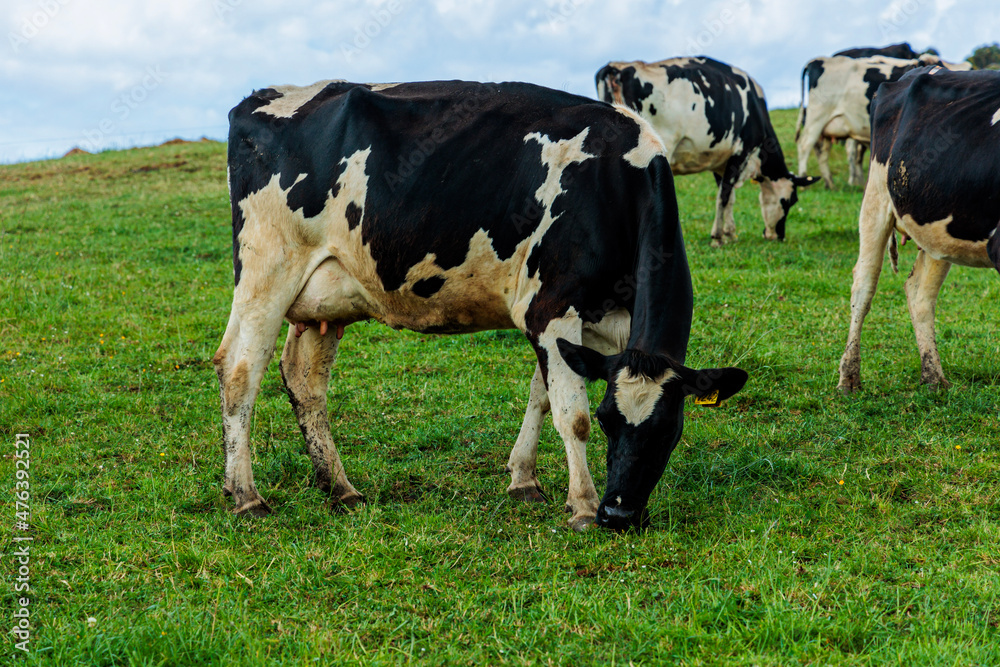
[[583, 361], [805, 181], [717, 383]]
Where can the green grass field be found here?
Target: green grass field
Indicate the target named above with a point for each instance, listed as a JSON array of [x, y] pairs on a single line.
[[792, 526]]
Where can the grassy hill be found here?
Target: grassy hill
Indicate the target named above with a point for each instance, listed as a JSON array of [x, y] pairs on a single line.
[[792, 525]]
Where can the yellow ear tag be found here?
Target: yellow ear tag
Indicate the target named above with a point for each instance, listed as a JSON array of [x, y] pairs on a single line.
[[709, 400]]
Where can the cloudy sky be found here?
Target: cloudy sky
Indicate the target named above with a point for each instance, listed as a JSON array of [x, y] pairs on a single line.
[[102, 74]]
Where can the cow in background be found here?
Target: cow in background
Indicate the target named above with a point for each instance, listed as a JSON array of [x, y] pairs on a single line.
[[711, 117], [839, 98], [855, 150], [837, 107], [902, 51], [935, 178]]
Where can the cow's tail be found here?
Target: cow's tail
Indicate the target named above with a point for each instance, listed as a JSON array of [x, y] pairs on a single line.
[[801, 121], [600, 81], [993, 248], [240, 159], [608, 83], [893, 249]]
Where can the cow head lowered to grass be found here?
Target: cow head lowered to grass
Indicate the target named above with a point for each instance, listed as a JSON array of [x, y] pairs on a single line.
[[456, 207], [642, 414]]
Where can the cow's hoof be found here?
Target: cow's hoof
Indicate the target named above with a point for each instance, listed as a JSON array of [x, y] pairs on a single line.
[[580, 523], [581, 520], [850, 378], [848, 389], [716, 243], [349, 500], [529, 493], [256, 507], [935, 384]]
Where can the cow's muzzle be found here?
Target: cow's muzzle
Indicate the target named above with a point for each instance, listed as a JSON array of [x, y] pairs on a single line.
[[622, 518]]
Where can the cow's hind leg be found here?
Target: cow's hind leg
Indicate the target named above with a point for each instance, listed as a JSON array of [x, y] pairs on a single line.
[[240, 362], [571, 417], [805, 142], [305, 368], [521, 464], [875, 225], [724, 227], [823, 148], [855, 162], [922, 288]]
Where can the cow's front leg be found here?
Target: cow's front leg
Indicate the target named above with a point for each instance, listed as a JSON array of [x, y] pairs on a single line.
[[922, 288], [571, 417], [305, 368], [521, 464]]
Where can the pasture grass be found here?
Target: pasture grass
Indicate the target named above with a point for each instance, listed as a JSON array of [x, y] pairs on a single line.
[[793, 526]]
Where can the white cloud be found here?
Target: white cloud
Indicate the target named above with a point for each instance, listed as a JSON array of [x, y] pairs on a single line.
[[467, 18]]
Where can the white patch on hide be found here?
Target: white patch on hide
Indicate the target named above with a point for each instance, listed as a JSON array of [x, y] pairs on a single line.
[[649, 145], [293, 98], [556, 156], [636, 396]]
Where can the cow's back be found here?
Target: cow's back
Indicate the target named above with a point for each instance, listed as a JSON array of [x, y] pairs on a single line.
[[938, 135], [450, 203], [705, 110], [902, 50]]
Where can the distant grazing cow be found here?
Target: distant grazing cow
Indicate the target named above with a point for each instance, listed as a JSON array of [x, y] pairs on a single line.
[[935, 177], [902, 50], [455, 207], [711, 117]]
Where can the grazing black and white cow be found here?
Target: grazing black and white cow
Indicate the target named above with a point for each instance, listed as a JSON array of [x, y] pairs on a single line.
[[935, 177], [455, 207], [711, 117], [902, 50]]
